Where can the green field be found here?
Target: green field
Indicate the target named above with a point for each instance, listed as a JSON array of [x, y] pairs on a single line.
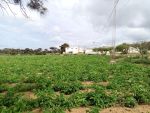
[[56, 83]]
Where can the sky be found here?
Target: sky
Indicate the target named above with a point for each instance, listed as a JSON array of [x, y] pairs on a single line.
[[86, 23]]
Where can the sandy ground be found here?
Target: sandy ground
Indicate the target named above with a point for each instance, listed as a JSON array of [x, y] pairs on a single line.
[[78, 110], [138, 109], [89, 83]]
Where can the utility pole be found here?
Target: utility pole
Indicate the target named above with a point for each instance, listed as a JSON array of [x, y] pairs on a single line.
[[114, 32], [78, 46]]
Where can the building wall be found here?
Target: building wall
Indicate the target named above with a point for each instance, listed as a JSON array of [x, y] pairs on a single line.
[[74, 50], [90, 51], [133, 50]]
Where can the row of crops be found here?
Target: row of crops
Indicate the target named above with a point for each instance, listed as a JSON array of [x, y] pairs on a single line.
[[57, 83]]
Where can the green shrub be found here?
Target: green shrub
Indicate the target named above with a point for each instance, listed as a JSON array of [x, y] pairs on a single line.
[[130, 102], [25, 87], [100, 99], [78, 99], [67, 88]]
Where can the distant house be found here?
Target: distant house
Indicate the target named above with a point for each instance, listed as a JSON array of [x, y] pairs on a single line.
[[91, 52], [133, 50], [74, 50], [108, 53]]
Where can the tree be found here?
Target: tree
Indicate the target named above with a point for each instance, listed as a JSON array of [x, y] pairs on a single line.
[[54, 50], [124, 48], [37, 5], [63, 47]]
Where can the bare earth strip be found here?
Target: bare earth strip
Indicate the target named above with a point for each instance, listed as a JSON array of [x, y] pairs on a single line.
[[78, 110], [89, 83], [138, 109]]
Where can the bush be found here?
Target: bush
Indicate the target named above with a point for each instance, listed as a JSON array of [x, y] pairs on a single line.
[[100, 99], [130, 102], [67, 88]]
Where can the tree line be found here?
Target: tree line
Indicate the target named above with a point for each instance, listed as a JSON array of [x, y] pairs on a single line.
[[142, 47], [39, 51], [28, 51]]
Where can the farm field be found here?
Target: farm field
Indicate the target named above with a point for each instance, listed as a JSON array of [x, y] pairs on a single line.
[[72, 84]]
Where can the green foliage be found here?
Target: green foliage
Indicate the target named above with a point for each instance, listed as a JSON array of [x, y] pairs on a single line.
[[61, 82], [130, 102], [100, 99], [63, 47], [123, 48], [78, 99], [138, 60], [67, 88], [103, 50]]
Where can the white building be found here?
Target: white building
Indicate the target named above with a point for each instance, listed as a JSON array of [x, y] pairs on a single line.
[[91, 52], [133, 50], [74, 50]]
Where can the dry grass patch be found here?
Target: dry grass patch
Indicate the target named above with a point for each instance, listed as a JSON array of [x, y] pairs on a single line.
[[10, 84], [103, 83], [138, 109], [108, 92], [29, 95], [87, 90], [88, 83]]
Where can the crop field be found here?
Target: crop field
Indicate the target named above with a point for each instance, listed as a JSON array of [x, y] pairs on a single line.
[[59, 84]]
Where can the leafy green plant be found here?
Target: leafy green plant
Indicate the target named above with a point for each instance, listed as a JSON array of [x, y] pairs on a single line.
[[100, 99], [67, 88], [130, 102], [59, 83]]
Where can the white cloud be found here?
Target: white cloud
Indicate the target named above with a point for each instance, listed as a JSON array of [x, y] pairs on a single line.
[[76, 20]]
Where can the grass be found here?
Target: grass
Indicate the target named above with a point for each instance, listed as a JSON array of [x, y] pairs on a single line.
[[57, 82]]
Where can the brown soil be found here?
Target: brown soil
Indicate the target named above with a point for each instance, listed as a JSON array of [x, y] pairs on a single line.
[[30, 95], [87, 90], [38, 110], [78, 110], [11, 84], [4, 93], [138, 109], [89, 83]]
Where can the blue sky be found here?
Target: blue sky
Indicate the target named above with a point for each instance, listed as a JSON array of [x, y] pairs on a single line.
[[76, 22]]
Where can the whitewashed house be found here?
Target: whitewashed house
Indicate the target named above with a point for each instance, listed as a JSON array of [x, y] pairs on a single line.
[[74, 50], [91, 52], [133, 50]]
